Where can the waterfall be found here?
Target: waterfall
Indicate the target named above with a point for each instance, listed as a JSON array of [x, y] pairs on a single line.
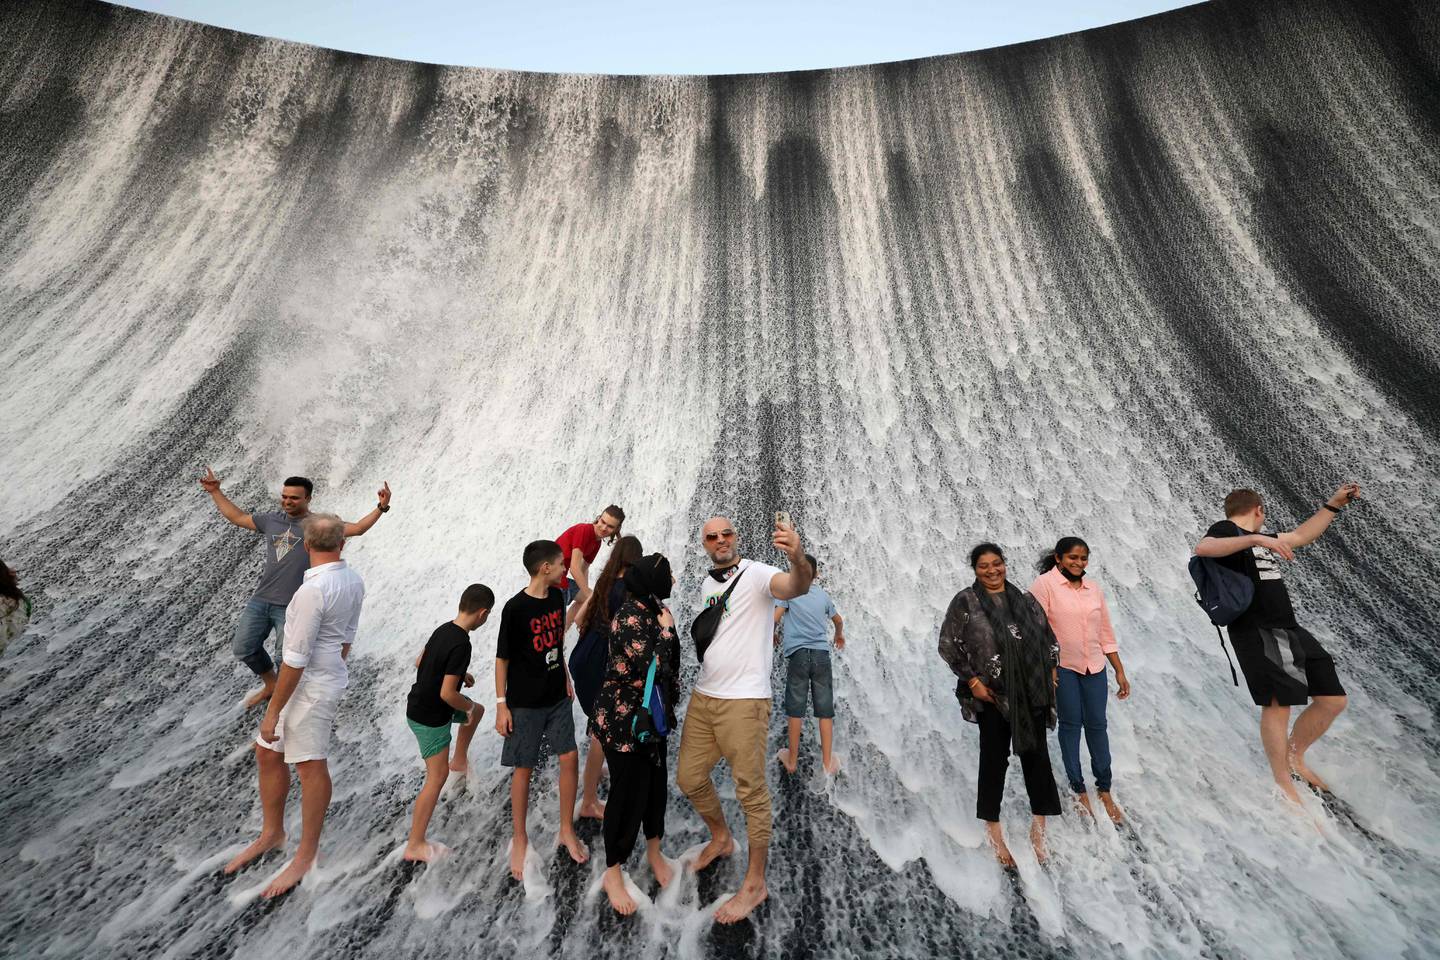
[[1084, 285]]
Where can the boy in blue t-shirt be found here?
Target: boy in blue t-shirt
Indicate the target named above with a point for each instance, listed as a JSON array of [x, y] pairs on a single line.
[[807, 666]]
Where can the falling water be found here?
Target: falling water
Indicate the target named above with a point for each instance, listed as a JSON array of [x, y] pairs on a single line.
[[1084, 285]]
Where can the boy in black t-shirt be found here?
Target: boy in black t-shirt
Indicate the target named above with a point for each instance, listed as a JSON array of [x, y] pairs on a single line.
[[533, 696], [1283, 664], [436, 702]]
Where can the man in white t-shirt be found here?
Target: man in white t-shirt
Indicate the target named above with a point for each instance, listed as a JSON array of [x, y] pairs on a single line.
[[729, 711], [320, 625]]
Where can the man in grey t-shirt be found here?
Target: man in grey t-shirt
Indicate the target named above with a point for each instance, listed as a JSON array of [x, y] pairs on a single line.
[[285, 564]]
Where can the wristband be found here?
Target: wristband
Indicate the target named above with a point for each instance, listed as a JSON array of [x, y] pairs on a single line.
[[1330, 508], [973, 681], [383, 507], [499, 699]]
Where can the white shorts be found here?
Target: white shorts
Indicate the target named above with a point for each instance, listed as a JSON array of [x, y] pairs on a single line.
[[306, 723]]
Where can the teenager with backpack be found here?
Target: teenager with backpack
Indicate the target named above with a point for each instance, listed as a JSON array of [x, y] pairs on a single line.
[[633, 714], [1284, 665]]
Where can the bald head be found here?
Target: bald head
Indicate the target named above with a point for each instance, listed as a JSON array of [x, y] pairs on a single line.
[[720, 541]]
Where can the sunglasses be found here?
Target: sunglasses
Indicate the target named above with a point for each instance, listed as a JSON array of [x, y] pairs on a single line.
[[721, 535]]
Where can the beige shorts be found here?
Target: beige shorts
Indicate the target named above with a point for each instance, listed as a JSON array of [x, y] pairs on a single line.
[[306, 724]]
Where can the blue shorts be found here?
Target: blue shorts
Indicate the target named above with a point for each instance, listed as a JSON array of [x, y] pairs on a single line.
[[807, 676]]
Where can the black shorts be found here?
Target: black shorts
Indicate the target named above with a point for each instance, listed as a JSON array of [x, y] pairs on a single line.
[[1284, 665]]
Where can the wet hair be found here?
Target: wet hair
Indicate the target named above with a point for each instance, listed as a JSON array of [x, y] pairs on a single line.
[[477, 597], [814, 564], [983, 548], [538, 552], [626, 551], [1064, 546], [324, 532], [9, 586], [1241, 501], [619, 516], [300, 482]]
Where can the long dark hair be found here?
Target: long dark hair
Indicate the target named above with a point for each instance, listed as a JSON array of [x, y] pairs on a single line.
[[1064, 546], [626, 551], [9, 586]]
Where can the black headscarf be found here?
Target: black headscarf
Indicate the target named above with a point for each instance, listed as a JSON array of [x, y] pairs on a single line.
[[1024, 662], [649, 579]]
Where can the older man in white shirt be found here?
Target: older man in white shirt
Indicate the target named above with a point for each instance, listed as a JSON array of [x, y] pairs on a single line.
[[319, 629]]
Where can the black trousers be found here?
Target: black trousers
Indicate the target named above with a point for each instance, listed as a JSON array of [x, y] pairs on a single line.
[[995, 760], [637, 797]]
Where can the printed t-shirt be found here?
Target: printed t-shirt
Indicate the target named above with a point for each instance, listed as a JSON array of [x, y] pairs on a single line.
[[285, 557], [1271, 606], [532, 638], [807, 620], [737, 662], [447, 654], [579, 537]]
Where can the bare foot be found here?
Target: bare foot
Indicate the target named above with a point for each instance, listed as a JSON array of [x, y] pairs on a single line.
[[1288, 789], [593, 809], [1082, 805], [1112, 808], [717, 847], [518, 846], [783, 755], [1298, 767], [1037, 840], [832, 765], [264, 844], [289, 877], [997, 842], [256, 697], [661, 868], [741, 905], [427, 852], [574, 846], [620, 899]]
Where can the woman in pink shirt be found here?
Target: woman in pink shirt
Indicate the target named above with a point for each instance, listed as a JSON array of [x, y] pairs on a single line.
[[1078, 615]]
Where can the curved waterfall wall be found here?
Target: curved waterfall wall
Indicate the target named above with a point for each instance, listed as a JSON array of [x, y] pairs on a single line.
[[1085, 285]]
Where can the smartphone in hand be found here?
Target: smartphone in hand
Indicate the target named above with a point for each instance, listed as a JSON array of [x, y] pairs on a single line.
[[782, 518]]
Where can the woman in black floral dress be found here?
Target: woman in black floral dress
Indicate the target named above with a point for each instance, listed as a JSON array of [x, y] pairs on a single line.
[[641, 630]]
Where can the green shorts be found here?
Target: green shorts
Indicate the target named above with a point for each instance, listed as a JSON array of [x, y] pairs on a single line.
[[433, 740]]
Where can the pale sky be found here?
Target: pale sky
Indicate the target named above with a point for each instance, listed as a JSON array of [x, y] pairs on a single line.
[[651, 36]]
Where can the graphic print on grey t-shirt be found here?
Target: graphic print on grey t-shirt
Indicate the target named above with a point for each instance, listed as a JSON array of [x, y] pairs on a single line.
[[284, 543], [285, 558]]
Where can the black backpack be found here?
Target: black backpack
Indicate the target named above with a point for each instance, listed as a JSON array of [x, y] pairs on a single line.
[[1224, 595]]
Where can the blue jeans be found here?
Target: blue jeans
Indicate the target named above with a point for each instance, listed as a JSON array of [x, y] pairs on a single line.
[[1080, 702], [255, 623], [572, 590]]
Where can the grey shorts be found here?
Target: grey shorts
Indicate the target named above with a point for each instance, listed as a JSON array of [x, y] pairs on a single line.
[[807, 677], [555, 726]]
